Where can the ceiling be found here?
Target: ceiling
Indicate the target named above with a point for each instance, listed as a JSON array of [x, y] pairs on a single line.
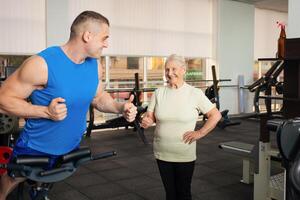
[[278, 5]]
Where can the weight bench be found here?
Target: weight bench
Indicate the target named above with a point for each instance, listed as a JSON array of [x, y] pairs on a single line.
[[245, 150]]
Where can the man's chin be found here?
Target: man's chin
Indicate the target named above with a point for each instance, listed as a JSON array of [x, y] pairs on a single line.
[[98, 56]]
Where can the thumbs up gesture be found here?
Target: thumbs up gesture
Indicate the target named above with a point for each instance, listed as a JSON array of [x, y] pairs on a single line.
[[129, 110]]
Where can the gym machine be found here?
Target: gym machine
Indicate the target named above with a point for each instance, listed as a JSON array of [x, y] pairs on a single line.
[[212, 93], [121, 121], [39, 178], [288, 141], [287, 135], [9, 125], [265, 84], [282, 186]]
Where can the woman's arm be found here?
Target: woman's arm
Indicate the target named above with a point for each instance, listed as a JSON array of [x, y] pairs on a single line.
[[213, 116]]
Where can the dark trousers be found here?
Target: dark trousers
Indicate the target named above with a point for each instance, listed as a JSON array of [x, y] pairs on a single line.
[[177, 179]]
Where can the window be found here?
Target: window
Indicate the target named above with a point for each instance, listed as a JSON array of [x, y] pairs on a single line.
[[195, 72], [8, 64], [132, 63]]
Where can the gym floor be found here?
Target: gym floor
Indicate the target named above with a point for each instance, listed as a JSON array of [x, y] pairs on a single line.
[[133, 173]]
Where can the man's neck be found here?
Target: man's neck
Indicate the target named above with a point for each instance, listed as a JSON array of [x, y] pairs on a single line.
[[74, 52]]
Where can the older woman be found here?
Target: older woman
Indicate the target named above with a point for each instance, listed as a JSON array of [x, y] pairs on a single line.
[[175, 109]]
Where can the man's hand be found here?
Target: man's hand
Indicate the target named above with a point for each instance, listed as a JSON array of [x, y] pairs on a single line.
[[192, 136], [57, 110], [129, 110]]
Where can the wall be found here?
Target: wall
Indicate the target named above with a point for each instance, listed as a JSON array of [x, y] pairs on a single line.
[[57, 22], [267, 32], [22, 26], [294, 22], [235, 36]]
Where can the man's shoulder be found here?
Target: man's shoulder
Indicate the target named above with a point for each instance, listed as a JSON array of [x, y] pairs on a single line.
[[34, 60], [50, 49]]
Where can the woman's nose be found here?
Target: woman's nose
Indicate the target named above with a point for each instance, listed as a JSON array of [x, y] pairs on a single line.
[[170, 72]]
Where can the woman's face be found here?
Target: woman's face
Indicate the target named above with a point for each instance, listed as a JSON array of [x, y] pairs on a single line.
[[174, 72]]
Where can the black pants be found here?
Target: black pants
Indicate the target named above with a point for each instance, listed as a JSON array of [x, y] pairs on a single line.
[[177, 179]]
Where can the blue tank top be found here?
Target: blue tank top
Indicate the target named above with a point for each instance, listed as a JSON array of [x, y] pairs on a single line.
[[77, 84]]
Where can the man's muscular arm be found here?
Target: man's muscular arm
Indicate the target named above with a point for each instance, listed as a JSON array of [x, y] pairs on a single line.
[[105, 103], [31, 75]]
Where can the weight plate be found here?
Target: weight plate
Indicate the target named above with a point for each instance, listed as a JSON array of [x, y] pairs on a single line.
[[8, 123]]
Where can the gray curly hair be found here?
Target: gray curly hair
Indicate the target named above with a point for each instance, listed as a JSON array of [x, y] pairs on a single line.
[[178, 59]]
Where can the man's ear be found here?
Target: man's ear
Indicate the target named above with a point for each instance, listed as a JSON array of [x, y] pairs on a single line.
[[86, 36]]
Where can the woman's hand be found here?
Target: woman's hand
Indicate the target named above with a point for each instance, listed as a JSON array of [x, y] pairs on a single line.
[[213, 116], [192, 136], [147, 120]]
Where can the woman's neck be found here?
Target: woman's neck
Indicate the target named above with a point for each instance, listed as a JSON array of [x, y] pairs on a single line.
[[176, 85]]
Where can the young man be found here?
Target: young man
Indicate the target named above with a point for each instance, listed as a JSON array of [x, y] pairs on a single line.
[[61, 82]]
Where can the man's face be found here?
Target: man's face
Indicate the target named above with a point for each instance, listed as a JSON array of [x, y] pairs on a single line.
[[174, 72], [99, 41]]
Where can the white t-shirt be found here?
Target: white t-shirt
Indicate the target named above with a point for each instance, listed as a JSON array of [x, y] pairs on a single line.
[[176, 112]]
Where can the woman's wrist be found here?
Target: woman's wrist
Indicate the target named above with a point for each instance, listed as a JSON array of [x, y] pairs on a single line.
[[200, 132]]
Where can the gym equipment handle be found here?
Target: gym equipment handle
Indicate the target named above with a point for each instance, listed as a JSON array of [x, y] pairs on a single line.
[[104, 155], [18, 167], [56, 171]]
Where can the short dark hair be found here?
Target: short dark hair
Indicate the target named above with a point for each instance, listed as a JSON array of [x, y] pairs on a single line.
[[85, 16]]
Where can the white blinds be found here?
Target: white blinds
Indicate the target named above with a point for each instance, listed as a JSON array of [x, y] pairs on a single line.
[[138, 27], [22, 25], [154, 27]]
